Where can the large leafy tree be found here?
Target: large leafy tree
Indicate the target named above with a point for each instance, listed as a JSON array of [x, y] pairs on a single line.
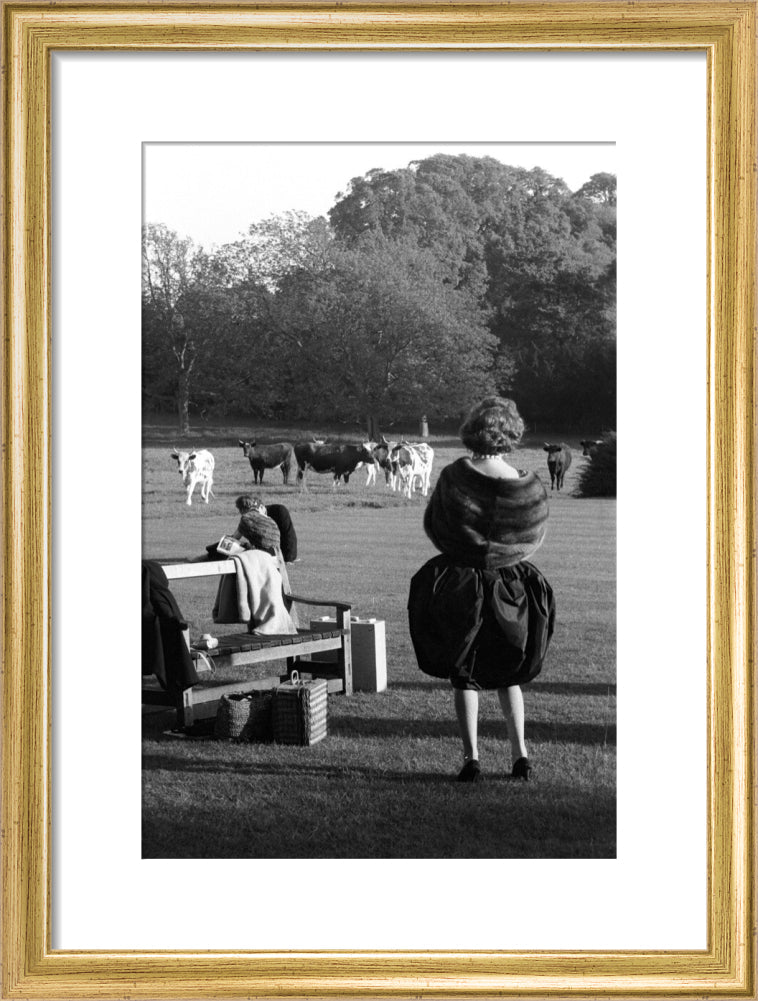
[[540, 260], [377, 334]]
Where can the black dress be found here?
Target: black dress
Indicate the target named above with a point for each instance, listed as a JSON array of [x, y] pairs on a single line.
[[481, 629]]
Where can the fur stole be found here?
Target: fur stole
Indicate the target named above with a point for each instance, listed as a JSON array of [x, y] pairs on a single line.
[[486, 523]]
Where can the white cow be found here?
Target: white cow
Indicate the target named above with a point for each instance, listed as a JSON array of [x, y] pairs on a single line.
[[426, 454], [196, 467]]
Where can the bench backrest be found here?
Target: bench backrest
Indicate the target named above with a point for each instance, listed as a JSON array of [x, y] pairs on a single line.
[[180, 571]]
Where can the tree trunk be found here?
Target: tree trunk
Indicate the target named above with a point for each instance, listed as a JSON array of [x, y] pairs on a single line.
[[184, 352], [372, 426], [182, 402]]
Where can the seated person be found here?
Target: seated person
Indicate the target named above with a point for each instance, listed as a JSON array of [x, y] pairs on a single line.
[[255, 527], [259, 530]]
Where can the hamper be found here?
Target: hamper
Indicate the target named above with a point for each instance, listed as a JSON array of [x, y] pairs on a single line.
[[299, 711], [244, 716]]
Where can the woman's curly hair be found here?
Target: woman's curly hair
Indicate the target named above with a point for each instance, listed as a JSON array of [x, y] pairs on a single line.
[[248, 502], [493, 426]]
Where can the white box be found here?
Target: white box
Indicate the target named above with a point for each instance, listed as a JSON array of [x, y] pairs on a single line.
[[367, 640]]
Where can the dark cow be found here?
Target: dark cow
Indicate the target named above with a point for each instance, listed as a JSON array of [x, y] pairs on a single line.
[[558, 462], [280, 455], [590, 445], [341, 460]]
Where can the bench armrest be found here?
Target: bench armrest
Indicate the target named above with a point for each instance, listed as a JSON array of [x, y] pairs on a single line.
[[342, 606]]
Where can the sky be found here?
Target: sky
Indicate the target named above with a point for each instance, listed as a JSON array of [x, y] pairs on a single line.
[[212, 192]]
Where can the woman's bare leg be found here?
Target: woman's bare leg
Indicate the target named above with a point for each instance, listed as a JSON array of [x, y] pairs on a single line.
[[512, 704], [467, 713]]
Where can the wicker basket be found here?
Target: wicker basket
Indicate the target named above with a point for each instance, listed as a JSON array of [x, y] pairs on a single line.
[[244, 716], [299, 711]]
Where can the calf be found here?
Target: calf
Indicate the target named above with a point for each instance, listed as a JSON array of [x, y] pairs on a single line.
[[590, 446], [280, 455], [341, 460], [558, 462], [196, 467]]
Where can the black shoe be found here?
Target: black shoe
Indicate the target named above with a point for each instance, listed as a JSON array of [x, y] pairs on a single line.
[[471, 772], [521, 769]]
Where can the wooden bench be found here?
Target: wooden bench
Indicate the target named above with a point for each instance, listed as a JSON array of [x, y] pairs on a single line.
[[247, 649]]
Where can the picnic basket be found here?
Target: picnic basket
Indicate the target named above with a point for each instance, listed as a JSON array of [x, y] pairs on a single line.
[[244, 716], [299, 711]]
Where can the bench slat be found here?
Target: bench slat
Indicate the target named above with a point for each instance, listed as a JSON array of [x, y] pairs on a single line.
[[236, 657], [242, 642]]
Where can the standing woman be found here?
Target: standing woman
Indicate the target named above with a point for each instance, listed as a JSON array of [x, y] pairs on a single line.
[[480, 614]]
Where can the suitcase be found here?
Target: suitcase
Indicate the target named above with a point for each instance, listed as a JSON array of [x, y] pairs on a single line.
[[299, 711], [367, 640]]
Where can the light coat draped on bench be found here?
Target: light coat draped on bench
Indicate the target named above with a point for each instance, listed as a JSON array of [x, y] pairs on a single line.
[[254, 594]]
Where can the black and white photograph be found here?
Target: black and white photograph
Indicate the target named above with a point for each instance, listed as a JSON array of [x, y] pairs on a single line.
[[378, 500]]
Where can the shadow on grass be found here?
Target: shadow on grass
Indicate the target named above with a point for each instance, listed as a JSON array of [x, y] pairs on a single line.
[[345, 773], [572, 687], [563, 733], [365, 727], [548, 687], [271, 769], [372, 819]]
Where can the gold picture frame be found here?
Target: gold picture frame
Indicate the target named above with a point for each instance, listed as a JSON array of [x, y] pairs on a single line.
[[726, 33]]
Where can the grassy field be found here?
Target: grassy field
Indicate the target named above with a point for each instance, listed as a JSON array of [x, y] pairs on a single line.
[[381, 784]]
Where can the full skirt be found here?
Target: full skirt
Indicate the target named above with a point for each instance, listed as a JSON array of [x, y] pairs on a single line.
[[481, 629]]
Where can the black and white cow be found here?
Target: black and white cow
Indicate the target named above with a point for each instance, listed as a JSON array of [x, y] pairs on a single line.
[[412, 463], [340, 460], [381, 452], [280, 455], [196, 467]]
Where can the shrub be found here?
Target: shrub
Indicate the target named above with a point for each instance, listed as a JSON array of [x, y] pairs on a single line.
[[598, 477]]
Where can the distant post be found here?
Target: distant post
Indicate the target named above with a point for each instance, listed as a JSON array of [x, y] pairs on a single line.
[[424, 427]]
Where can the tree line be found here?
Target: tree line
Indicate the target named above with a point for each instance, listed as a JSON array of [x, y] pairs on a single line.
[[425, 288]]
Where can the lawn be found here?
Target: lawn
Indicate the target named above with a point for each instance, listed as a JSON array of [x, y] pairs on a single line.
[[380, 785]]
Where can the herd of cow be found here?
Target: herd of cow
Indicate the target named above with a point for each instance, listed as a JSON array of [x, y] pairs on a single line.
[[406, 467]]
